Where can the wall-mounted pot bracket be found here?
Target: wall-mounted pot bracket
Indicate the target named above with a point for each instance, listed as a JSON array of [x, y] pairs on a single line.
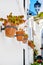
[[3, 28]]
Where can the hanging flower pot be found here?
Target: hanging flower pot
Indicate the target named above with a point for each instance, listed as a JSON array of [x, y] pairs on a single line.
[[10, 25], [20, 34], [25, 38], [31, 44], [10, 31]]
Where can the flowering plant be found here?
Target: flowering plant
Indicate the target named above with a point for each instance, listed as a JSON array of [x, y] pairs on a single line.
[[14, 19]]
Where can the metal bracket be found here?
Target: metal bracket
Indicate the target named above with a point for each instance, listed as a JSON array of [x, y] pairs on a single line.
[[1, 28], [7, 27], [18, 35]]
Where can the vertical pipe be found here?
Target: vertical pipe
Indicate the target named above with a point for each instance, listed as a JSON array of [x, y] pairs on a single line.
[[23, 56], [24, 4]]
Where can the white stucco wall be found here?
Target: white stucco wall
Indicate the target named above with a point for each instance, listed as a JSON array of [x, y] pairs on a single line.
[[7, 6], [37, 30], [11, 51], [37, 37]]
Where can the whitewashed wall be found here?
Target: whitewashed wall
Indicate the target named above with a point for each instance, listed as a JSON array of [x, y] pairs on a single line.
[[37, 38], [7, 6], [11, 51]]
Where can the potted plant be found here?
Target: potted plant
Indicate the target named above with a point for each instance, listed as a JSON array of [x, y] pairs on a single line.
[[11, 24], [38, 17], [31, 44], [10, 28], [25, 38], [35, 54], [20, 34], [35, 63], [16, 19]]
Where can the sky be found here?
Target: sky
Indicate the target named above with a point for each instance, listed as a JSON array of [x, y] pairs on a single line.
[[32, 5], [41, 9]]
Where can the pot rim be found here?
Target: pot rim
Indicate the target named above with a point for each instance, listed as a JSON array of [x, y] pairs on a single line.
[[11, 27]]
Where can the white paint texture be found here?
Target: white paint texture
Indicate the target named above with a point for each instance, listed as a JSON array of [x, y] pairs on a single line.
[[11, 51]]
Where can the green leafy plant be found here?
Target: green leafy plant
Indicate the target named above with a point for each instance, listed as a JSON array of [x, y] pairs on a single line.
[[35, 63], [42, 63], [35, 54], [14, 19], [38, 17]]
